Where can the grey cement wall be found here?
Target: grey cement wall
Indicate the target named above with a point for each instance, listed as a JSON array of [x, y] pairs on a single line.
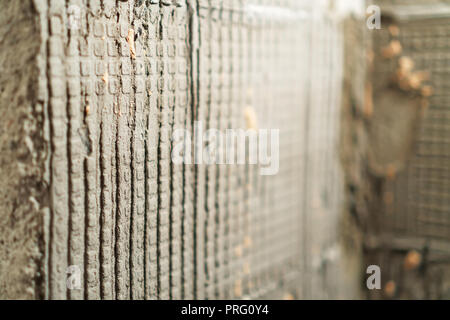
[[96, 101]]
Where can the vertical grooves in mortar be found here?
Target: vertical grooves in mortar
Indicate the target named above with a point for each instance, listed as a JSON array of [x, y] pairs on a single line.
[[229, 191], [89, 101], [68, 154], [145, 121], [195, 116], [93, 178], [241, 172], [59, 170], [106, 138], [132, 141], [171, 120], [123, 155], [139, 155], [201, 168], [175, 41], [50, 290], [209, 110], [86, 222], [96, 10], [184, 196], [181, 25], [158, 164], [185, 237], [117, 166], [250, 183], [147, 106], [87, 186], [70, 162], [116, 253], [110, 9], [195, 84], [152, 132], [166, 109], [188, 261], [234, 169], [219, 191], [41, 7], [51, 222]]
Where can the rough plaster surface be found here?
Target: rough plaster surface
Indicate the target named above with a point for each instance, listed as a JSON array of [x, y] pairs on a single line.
[[22, 154], [108, 92]]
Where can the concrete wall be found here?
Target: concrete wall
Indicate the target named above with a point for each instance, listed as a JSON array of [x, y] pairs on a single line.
[[108, 83]]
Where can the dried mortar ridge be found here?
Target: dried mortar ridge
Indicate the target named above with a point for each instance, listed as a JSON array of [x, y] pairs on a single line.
[[23, 196]]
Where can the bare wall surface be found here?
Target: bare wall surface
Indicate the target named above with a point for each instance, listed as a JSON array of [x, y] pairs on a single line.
[[23, 152], [108, 83]]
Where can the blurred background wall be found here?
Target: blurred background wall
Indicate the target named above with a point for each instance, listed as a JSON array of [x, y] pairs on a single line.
[[409, 233]]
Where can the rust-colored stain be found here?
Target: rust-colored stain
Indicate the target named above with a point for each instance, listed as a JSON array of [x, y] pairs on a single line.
[[247, 242], [390, 288], [394, 30], [251, 118], [391, 172], [412, 260], [130, 40], [238, 251], [105, 77], [238, 288], [288, 296], [392, 50], [246, 268], [427, 91]]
